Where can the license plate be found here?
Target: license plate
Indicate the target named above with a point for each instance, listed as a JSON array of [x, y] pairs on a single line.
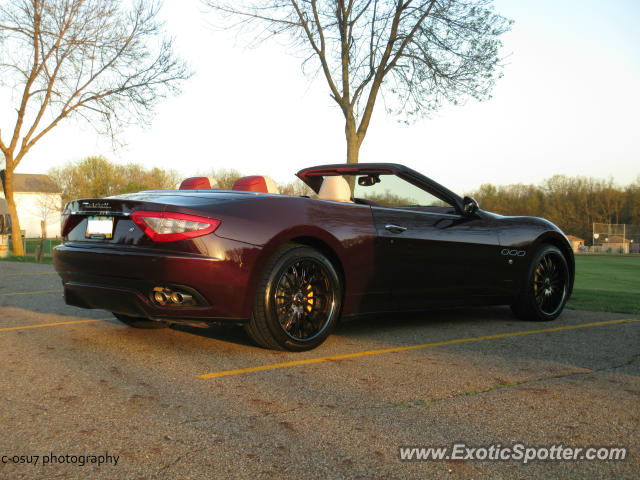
[[99, 226]]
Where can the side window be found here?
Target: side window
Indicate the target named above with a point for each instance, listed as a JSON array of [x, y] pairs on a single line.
[[392, 191]]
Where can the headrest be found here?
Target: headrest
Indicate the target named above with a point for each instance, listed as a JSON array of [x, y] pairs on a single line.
[[195, 183], [256, 183], [335, 188]]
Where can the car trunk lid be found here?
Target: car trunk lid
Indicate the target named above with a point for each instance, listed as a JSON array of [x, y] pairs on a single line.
[[108, 220]]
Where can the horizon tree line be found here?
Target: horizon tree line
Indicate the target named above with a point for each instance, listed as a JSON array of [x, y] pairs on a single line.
[[573, 203]]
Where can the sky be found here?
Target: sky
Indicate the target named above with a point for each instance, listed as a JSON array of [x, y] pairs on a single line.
[[568, 103]]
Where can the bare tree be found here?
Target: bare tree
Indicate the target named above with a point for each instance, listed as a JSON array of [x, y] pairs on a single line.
[[416, 54], [48, 208], [96, 60]]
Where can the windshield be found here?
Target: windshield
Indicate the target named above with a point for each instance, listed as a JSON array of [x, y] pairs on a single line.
[[387, 190], [393, 191]]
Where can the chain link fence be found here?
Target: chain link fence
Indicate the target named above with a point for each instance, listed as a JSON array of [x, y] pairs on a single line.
[[618, 238], [31, 245]]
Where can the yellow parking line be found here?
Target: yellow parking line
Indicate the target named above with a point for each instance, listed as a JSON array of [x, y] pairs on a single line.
[[70, 322], [25, 274], [37, 292], [309, 361]]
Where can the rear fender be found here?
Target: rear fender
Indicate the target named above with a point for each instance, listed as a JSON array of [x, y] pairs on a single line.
[[289, 235]]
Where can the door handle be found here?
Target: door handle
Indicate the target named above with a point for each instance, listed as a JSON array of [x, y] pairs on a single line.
[[395, 228]]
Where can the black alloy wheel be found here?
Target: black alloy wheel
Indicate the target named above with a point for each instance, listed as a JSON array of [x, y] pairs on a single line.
[[298, 300], [549, 283], [304, 300], [546, 288]]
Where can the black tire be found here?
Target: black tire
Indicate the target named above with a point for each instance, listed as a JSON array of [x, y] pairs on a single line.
[[546, 287], [298, 300], [139, 322]]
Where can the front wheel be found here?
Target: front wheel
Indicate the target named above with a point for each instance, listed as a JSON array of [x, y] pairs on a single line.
[[546, 286], [298, 300]]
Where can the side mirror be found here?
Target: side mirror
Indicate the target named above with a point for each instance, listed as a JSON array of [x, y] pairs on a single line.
[[470, 205]]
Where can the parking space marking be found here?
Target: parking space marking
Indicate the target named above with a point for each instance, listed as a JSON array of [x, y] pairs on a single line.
[[37, 292], [381, 351], [25, 274], [70, 322]]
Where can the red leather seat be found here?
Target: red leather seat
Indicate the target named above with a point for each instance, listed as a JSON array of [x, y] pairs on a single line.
[[195, 183], [256, 183]]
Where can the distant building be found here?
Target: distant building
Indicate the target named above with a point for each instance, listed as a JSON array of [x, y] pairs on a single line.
[[576, 243], [37, 198], [616, 244]]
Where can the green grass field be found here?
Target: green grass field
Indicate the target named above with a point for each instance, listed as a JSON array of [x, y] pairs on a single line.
[[31, 246], [607, 284]]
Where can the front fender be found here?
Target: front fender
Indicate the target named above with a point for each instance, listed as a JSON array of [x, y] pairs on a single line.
[[527, 234]]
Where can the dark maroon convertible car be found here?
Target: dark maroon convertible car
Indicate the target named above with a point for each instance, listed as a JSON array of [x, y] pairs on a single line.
[[375, 238]]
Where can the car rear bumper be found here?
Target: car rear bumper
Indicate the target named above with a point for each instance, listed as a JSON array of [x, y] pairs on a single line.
[[122, 280]]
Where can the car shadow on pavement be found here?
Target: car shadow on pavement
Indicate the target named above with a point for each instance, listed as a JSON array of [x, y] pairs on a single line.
[[426, 317], [395, 328], [225, 333]]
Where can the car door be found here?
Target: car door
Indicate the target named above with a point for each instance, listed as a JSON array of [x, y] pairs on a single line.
[[431, 258], [427, 251]]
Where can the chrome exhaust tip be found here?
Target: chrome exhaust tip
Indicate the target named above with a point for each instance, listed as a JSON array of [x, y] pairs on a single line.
[[180, 298], [160, 297], [165, 297]]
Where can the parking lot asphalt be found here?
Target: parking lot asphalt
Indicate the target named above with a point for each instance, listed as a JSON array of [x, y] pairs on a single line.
[[184, 402]]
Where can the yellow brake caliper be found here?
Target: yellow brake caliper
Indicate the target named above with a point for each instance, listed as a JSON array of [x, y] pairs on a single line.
[[309, 298], [535, 280]]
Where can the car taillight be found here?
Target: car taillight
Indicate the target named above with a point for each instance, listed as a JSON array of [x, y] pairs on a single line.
[[171, 226], [64, 220], [69, 221]]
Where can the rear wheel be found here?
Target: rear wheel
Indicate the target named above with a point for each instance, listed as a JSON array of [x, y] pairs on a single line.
[[298, 300], [139, 322], [545, 290]]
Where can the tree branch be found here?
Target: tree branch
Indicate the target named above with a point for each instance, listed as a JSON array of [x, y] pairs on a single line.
[[320, 51], [418, 52], [31, 78]]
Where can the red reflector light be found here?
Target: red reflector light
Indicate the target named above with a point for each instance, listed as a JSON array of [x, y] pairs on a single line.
[[171, 226], [69, 222]]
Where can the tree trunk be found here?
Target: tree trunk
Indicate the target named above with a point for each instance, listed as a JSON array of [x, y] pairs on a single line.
[[16, 236], [43, 239], [353, 142], [353, 146]]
